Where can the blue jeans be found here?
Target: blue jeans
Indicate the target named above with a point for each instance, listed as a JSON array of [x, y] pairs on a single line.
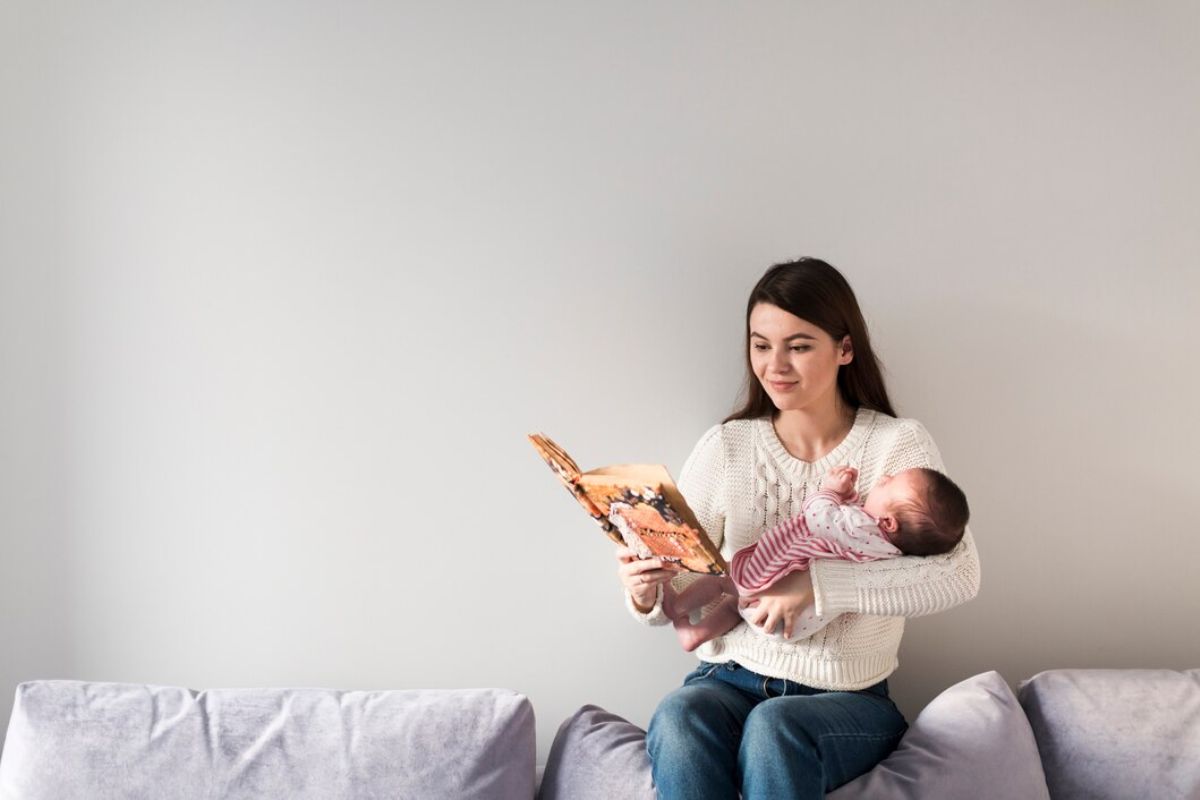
[[728, 729]]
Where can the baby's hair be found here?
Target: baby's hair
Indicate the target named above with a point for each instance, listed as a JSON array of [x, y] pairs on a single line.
[[936, 525]]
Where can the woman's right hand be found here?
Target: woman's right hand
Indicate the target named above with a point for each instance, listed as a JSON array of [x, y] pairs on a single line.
[[642, 576]]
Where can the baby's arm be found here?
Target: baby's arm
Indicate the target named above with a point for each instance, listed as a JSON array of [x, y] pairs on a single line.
[[841, 530], [840, 481], [908, 586]]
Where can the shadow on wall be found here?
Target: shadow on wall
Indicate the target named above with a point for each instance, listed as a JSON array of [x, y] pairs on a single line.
[[1066, 436]]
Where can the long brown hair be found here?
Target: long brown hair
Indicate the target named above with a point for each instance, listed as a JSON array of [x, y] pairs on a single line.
[[813, 290]]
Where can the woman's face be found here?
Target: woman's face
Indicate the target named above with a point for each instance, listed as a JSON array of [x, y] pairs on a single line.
[[795, 361]]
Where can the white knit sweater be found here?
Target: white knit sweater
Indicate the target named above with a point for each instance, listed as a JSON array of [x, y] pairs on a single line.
[[741, 481]]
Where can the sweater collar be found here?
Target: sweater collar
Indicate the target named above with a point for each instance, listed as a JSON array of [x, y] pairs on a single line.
[[845, 453]]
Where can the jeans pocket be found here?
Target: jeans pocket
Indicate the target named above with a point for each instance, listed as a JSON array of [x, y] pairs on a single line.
[[701, 672]]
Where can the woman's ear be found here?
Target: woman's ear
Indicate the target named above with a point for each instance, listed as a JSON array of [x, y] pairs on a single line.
[[845, 350]]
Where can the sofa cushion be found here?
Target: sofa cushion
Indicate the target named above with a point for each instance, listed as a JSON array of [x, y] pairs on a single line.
[[971, 741], [597, 756], [70, 739], [1117, 733]]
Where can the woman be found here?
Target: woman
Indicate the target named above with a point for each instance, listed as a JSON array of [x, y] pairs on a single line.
[[761, 716]]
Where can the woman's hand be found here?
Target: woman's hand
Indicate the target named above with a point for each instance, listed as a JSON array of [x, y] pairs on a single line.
[[642, 576], [780, 602]]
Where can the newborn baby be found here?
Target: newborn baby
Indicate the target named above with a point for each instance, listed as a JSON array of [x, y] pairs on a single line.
[[917, 512]]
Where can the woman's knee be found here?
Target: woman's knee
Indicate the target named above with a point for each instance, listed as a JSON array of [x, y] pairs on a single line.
[[778, 730], [698, 716], [673, 720], [692, 741], [823, 740], [670, 719]]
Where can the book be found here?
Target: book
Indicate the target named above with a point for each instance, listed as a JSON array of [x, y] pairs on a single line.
[[638, 505]]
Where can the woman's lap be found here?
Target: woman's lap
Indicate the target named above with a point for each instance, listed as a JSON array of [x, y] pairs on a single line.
[[728, 729]]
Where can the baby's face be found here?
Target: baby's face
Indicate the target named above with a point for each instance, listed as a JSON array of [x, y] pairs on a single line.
[[903, 487]]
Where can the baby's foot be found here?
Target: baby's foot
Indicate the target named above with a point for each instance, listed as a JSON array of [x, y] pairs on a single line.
[[689, 636], [669, 607]]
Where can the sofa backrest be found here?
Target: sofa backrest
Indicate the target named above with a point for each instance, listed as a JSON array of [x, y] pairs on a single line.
[[1116, 733], [71, 739]]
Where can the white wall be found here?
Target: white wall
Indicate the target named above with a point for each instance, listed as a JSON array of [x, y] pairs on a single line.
[[284, 285]]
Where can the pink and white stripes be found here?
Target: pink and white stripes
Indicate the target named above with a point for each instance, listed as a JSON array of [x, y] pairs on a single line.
[[827, 528]]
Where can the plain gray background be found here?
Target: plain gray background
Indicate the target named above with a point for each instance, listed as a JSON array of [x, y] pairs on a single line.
[[283, 286]]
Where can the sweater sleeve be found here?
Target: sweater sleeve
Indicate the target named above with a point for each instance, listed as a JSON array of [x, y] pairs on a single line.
[[908, 586], [702, 484]]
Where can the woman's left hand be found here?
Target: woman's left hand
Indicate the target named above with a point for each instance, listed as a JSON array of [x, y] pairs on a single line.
[[781, 602]]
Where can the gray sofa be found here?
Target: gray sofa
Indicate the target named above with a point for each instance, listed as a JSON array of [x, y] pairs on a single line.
[[1066, 734], [70, 740], [1092, 734]]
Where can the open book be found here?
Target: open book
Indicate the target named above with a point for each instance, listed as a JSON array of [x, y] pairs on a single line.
[[637, 505]]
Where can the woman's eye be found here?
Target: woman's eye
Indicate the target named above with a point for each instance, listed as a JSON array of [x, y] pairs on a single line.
[[797, 349]]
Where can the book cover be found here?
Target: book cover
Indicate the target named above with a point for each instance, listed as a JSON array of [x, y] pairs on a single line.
[[638, 505]]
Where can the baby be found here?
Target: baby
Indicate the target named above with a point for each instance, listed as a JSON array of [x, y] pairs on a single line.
[[917, 512]]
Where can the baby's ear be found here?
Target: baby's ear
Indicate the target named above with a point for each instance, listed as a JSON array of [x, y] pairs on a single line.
[[888, 524]]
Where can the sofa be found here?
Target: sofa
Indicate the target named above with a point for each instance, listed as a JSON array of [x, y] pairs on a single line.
[[1065, 734], [73, 740], [1070, 734]]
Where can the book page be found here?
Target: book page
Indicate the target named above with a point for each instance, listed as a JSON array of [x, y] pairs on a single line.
[[638, 505]]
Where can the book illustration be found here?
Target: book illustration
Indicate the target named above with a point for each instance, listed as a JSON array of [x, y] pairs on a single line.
[[638, 505], [652, 529]]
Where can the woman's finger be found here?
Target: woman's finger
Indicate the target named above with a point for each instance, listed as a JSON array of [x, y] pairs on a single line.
[[760, 615], [646, 577], [644, 565], [788, 618], [658, 575], [636, 565]]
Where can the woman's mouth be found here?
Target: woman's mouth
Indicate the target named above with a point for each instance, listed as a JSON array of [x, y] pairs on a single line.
[[781, 387]]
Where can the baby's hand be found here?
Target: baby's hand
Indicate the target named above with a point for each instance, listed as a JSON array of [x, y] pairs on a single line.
[[840, 479]]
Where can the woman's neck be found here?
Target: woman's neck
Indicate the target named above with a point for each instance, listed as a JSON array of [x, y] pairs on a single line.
[[810, 435]]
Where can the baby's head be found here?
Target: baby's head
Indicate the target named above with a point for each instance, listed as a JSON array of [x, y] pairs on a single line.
[[920, 511]]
